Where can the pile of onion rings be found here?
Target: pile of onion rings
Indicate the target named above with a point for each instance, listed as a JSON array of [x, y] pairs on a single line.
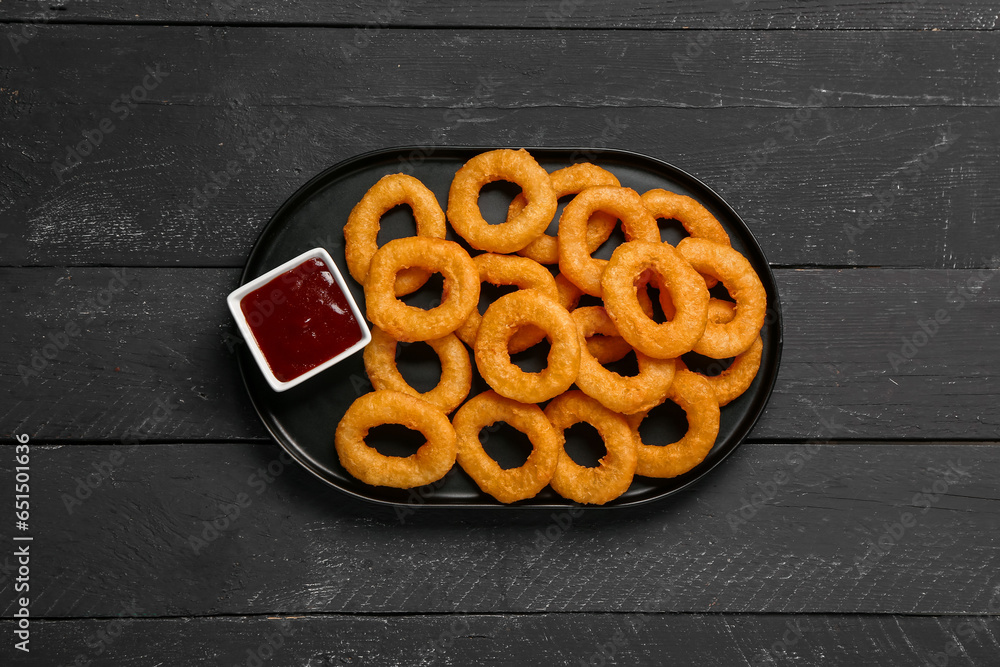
[[550, 274]]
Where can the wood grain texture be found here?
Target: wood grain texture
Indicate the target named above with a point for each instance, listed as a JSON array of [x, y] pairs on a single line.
[[541, 639], [243, 66], [297, 546], [849, 134], [813, 195], [162, 341], [758, 14]]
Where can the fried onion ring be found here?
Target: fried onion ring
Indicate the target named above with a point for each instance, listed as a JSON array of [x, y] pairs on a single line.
[[516, 166], [613, 475], [649, 278], [734, 271], [687, 291], [511, 484], [624, 394], [575, 261], [501, 320], [582, 337], [570, 181], [695, 396], [732, 382], [361, 230], [408, 323], [569, 294], [456, 369], [607, 349], [510, 270], [694, 217], [720, 311], [430, 462]]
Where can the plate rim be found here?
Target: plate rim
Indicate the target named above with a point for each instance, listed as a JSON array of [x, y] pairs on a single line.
[[594, 155]]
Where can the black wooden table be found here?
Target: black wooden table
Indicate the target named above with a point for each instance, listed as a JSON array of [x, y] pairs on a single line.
[[145, 144]]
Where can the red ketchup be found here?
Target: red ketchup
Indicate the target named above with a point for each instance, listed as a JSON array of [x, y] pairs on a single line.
[[300, 319]]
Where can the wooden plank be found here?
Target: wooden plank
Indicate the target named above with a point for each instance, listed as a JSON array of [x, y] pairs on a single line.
[[775, 529], [162, 344], [540, 639], [238, 67], [157, 345], [813, 195], [761, 14]]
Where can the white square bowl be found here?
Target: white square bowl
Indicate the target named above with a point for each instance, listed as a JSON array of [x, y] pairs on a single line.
[[236, 297]]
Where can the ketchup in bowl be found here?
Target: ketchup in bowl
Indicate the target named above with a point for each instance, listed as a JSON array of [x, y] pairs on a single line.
[[300, 319]]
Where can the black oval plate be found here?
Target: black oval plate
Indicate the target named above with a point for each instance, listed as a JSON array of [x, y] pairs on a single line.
[[304, 418]]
